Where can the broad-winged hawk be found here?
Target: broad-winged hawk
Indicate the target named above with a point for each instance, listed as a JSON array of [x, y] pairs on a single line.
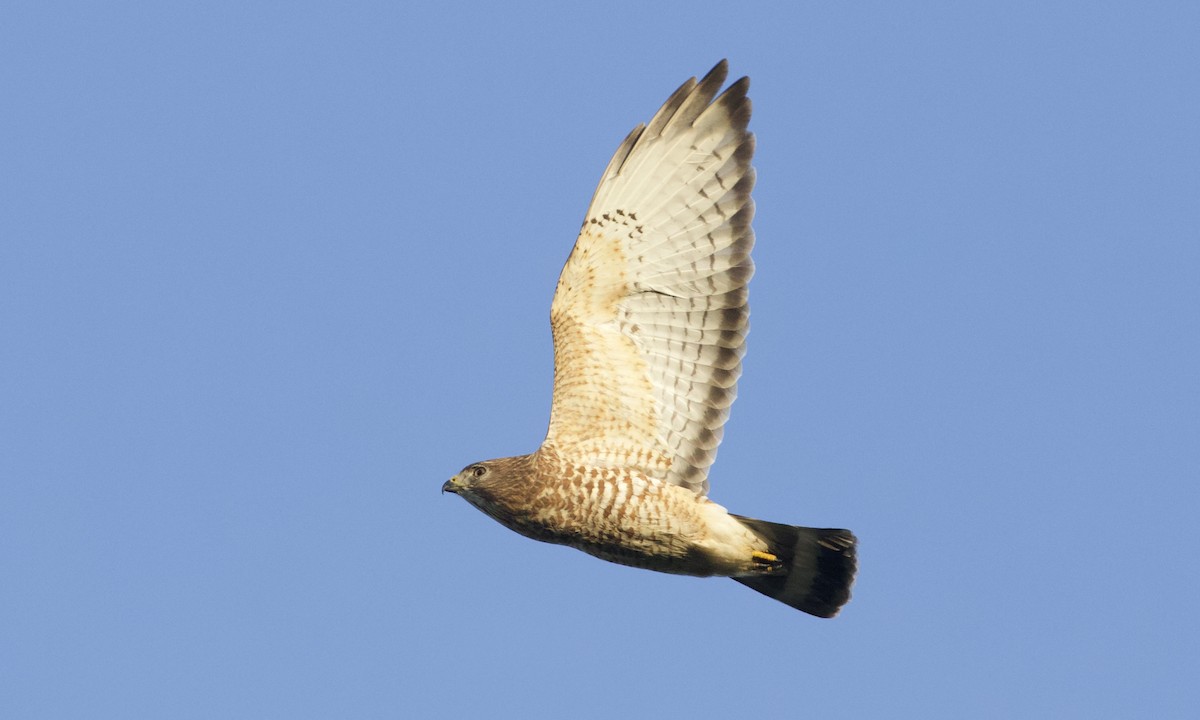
[[650, 320]]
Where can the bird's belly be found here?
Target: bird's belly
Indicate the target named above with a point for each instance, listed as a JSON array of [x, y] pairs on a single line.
[[631, 521], [685, 561]]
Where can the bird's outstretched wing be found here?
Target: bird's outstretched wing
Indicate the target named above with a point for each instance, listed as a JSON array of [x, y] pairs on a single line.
[[650, 314]]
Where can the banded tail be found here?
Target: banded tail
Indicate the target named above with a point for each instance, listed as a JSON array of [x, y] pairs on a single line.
[[820, 566]]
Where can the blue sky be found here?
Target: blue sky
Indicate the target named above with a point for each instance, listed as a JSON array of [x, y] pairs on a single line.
[[270, 273]]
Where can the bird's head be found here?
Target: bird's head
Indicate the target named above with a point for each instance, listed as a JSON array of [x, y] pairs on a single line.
[[494, 486], [470, 477]]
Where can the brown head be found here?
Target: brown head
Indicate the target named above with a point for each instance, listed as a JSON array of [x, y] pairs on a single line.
[[502, 488]]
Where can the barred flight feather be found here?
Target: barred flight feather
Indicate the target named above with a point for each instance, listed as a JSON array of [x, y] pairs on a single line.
[[650, 316]]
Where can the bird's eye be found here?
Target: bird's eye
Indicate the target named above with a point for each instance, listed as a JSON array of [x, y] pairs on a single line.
[[478, 471]]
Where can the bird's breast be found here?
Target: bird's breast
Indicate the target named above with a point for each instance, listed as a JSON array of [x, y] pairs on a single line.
[[621, 516]]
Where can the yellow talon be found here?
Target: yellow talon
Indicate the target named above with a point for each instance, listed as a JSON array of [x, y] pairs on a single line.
[[765, 557]]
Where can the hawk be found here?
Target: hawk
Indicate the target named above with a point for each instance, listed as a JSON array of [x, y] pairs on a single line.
[[649, 322]]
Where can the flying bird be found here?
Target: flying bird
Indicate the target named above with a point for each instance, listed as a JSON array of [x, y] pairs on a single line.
[[649, 321]]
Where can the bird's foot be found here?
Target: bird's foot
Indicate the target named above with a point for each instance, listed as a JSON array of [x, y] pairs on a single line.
[[765, 558]]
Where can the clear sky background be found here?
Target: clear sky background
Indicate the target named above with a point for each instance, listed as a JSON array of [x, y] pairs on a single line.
[[271, 272]]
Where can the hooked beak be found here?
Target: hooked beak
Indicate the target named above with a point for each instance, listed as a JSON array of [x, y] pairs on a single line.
[[450, 486]]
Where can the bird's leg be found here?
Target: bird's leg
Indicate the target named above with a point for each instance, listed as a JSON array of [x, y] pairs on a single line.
[[765, 558]]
